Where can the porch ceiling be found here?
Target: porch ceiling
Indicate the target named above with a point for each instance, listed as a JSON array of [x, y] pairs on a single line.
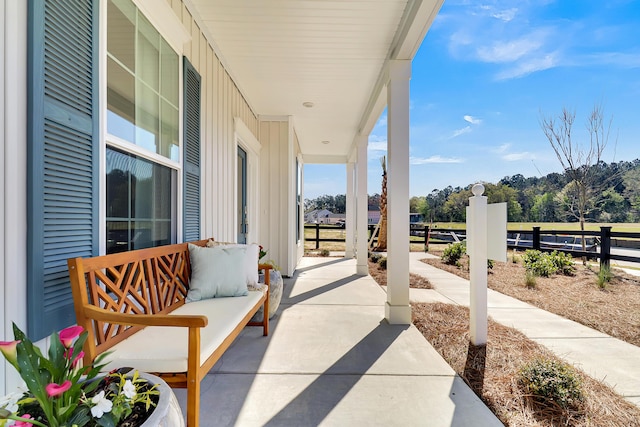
[[332, 53]]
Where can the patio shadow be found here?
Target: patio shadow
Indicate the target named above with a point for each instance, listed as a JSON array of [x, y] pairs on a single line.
[[323, 394]]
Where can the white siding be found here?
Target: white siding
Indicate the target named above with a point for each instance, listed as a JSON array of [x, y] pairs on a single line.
[[221, 102], [278, 192], [13, 177]]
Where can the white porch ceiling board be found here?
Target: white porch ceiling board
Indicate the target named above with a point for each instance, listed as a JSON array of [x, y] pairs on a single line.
[[286, 52]]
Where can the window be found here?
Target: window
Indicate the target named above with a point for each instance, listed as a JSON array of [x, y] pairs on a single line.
[[140, 203], [142, 122]]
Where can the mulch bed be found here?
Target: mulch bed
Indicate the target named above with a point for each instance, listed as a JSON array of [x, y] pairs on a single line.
[[614, 311], [493, 371]]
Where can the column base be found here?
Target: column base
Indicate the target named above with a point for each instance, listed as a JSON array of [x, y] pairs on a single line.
[[397, 314], [362, 270]]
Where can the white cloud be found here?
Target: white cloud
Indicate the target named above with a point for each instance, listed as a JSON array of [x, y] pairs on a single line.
[[505, 15], [529, 66], [509, 51], [433, 159], [377, 146], [472, 120], [503, 148], [514, 157], [459, 132]]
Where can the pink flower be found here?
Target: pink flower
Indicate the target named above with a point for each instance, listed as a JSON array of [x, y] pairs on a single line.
[[54, 389], [8, 349], [68, 353], [69, 334], [20, 423]]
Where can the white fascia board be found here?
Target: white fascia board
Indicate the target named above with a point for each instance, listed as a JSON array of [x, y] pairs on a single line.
[[415, 23]]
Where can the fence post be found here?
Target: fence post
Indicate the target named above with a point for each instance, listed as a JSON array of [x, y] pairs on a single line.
[[605, 247], [317, 236], [536, 238], [426, 238]]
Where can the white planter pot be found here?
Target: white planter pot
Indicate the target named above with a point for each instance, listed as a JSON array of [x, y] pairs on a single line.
[[275, 294], [167, 412]]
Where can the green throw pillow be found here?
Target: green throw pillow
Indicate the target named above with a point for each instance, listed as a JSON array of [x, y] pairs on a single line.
[[216, 272]]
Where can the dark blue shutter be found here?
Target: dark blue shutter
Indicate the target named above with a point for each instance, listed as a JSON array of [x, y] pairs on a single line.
[[191, 141], [62, 153]]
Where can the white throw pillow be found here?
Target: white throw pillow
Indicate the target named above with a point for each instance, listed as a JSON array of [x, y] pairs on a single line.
[[217, 272], [251, 260]]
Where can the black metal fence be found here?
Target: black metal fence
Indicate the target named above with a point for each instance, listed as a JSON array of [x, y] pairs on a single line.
[[597, 244]]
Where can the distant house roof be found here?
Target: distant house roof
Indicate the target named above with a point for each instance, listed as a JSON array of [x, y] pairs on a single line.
[[374, 208]]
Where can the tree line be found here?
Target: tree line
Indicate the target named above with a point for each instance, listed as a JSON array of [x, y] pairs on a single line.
[[613, 196]]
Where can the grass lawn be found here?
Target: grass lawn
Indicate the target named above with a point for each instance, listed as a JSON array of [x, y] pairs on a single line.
[[569, 226]]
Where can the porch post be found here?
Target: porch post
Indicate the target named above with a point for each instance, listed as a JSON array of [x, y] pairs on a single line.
[[362, 209], [350, 218], [398, 309]]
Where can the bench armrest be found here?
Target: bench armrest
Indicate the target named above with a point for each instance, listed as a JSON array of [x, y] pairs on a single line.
[[184, 320]]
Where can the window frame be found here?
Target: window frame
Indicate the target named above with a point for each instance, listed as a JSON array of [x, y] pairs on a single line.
[[165, 21]]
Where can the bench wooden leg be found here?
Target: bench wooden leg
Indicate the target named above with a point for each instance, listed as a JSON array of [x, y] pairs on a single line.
[[193, 403]]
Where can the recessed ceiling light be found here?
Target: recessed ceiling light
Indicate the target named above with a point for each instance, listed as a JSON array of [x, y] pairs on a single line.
[[307, 104], [325, 141]]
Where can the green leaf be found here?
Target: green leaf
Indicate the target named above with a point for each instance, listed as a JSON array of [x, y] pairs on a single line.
[[107, 420]]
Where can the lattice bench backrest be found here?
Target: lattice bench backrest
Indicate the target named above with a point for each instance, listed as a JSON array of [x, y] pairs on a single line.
[[144, 281]]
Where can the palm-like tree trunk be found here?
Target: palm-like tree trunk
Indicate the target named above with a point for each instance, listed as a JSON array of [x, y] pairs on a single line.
[[382, 234]]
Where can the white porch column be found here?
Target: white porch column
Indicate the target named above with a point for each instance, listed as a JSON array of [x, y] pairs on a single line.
[[350, 218], [362, 209], [398, 309]]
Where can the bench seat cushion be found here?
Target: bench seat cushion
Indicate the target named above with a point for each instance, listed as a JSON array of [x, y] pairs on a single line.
[[164, 348]]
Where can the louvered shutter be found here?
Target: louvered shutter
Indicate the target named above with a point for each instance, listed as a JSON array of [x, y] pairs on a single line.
[[191, 141], [62, 154]]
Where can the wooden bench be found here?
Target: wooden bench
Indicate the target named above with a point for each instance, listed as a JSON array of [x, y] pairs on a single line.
[[133, 305]]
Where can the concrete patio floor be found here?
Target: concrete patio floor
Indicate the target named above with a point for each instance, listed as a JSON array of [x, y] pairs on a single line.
[[332, 360]]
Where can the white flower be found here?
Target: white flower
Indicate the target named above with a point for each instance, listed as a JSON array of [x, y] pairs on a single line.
[[10, 401], [102, 405], [129, 389]]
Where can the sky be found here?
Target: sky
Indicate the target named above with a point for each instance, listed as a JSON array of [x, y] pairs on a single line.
[[488, 71]]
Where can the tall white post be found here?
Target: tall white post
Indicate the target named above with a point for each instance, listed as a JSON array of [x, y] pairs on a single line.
[[398, 309], [477, 250], [362, 208], [350, 218]]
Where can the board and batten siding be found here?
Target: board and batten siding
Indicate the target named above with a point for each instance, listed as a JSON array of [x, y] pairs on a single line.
[[278, 192], [221, 102]]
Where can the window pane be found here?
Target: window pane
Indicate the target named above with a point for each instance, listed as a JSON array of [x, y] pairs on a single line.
[[148, 53], [121, 30], [118, 177], [142, 109], [147, 118], [140, 203], [169, 81], [120, 101], [169, 145]]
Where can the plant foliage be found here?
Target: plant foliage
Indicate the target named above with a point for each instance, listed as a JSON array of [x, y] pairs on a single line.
[[552, 381]]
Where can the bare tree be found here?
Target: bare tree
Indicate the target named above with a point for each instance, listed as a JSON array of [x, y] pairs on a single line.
[[578, 159]]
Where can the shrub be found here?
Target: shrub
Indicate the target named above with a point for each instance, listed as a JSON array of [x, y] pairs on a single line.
[[453, 252], [545, 264], [325, 252], [552, 381], [375, 257], [604, 277], [382, 262], [489, 264], [529, 279], [563, 262]]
